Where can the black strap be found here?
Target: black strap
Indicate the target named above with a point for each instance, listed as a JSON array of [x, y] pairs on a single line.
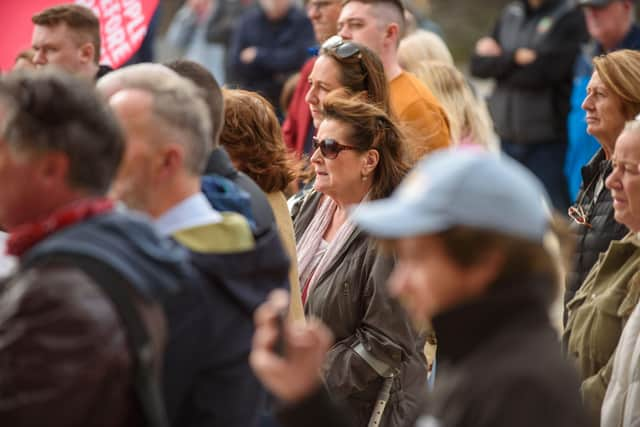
[[118, 289]]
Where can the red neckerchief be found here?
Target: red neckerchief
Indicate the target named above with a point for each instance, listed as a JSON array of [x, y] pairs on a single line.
[[23, 237]]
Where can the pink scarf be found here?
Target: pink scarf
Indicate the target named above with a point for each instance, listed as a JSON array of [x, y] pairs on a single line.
[[308, 245]]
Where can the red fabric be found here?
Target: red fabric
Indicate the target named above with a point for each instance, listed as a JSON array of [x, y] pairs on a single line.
[[296, 125], [123, 25], [22, 238]]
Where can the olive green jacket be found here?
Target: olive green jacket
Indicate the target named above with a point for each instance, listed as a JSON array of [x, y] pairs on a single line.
[[597, 314]]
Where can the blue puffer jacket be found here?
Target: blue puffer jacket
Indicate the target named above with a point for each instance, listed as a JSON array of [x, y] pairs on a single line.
[[582, 146]]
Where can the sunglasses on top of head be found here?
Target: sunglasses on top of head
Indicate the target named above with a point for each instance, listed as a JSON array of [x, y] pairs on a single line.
[[330, 148], [342, 48]]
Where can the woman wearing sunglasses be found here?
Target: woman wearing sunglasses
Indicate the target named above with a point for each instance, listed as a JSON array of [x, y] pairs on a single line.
[[601, 304], [358, 156]]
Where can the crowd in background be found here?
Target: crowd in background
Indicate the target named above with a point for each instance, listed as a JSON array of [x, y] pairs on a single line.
[[314, 218]]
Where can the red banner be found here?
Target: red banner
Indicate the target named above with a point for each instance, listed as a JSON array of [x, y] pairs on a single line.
[[123, 25]]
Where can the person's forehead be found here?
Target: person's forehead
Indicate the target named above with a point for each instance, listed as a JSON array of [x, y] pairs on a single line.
[[628, 146], [356, 9], [595, 81], [58, 33]]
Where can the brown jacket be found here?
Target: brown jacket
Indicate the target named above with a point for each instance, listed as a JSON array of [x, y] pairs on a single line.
[[352, 299], [64, 358]]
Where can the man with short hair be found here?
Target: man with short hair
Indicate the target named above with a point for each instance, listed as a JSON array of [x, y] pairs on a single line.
[[297, 129], [168, 132], [68, 37], [379, 25], [64, 357], [612, 26]]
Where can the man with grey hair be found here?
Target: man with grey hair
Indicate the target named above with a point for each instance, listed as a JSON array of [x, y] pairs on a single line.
[[379, 25], [168, 132]]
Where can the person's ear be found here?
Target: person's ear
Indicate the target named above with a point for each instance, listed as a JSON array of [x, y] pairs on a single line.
[[53, 169], [392, 33], [370, 161], [484, 272], [87, 52], [170, 161]]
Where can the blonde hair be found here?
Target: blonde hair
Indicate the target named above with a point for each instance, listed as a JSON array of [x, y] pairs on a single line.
[[468, 115], [422, 45], [620, 72]]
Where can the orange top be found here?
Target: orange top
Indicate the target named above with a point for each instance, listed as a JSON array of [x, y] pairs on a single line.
[[420, 114]]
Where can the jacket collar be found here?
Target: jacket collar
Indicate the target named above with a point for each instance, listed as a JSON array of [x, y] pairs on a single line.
[[219, 163], [465, 327]]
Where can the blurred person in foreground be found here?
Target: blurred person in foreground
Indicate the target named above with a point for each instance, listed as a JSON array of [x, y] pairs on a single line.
[[168, 139], [603, 303], [611, 26], [613, 97], [530, 54], [298, 128], [68, 37], [379, 25], [66, 358], [357, 157], [477, 256], [251, 134], [219, 162], [269, 43], [620, 406]]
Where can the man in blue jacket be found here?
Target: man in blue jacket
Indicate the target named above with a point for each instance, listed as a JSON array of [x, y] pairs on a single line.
[[611, 27], [269, 44]]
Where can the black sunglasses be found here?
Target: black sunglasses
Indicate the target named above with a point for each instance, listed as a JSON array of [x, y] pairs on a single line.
[[342, 48], [330, 148]]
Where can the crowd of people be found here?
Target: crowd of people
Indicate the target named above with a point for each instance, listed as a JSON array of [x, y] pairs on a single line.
[[215, 241]]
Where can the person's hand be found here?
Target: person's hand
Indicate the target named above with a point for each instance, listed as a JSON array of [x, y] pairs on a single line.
[[296, 374], [248, 54], [487, 46], [524, 56]]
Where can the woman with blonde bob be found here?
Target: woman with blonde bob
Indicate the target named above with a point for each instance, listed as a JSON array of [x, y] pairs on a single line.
[[252, 137], [358, 156], [422, 45], [468, 116]]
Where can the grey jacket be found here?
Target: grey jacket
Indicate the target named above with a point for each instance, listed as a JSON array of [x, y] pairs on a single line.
[[352, 299]]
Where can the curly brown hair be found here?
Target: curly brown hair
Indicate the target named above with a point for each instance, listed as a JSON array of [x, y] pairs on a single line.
[[252, 136]]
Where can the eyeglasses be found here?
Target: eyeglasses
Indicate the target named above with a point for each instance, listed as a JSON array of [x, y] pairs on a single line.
[[342, 48], [578, 214], [330, 148]]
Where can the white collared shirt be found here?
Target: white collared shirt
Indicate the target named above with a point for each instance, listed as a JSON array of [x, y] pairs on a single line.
[[194, 211]]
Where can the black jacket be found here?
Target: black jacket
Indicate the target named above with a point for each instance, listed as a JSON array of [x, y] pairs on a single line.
[[499, 365], [530, 103], [590, 241], [219, 163]]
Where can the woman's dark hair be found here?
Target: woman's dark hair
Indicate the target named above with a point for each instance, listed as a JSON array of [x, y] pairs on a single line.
[[371, 128], [363, 72], [252, 136]]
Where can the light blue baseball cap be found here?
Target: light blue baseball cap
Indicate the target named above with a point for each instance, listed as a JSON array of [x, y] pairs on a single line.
[[460, 187]]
